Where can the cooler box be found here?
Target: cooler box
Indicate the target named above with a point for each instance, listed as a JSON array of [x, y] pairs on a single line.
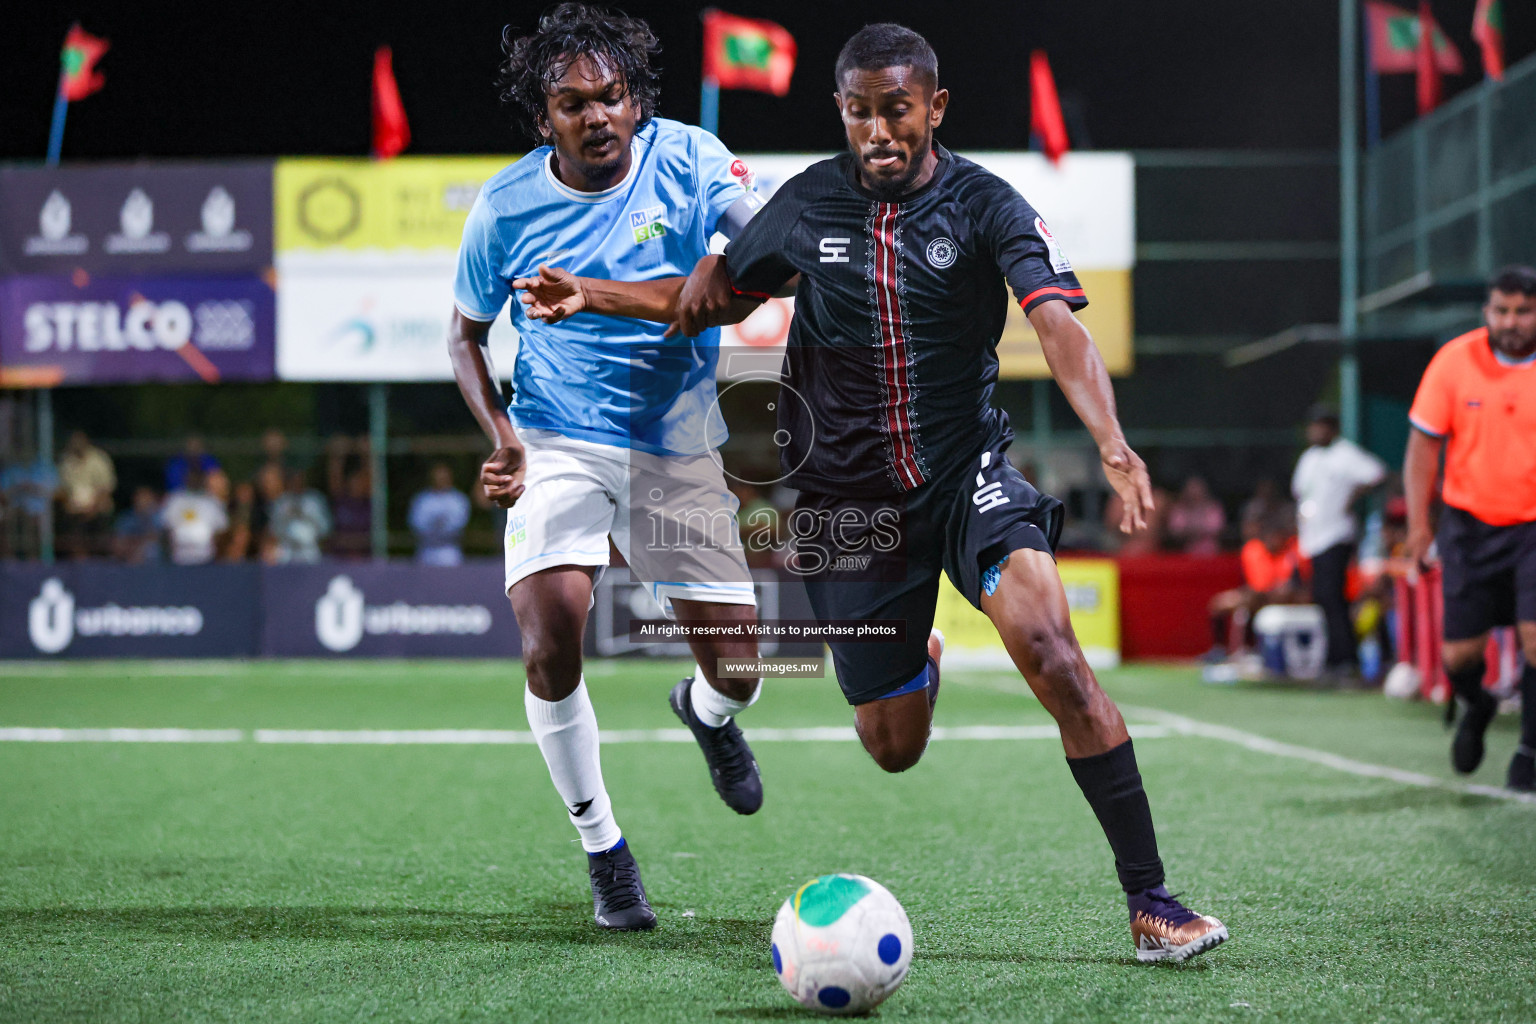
[[1293, 639]]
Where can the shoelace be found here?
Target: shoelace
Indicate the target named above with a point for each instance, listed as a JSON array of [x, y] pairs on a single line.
[[620, 890], [733, 763], [1169, 909]]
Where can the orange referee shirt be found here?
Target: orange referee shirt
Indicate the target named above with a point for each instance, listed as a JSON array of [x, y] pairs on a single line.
[[1486, 412]]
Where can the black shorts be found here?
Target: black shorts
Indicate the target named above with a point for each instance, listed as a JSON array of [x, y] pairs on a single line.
[[879, 559], [1487, 574]]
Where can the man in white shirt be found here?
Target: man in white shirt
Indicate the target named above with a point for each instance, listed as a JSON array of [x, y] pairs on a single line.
[[193, 520], [1331, 475]]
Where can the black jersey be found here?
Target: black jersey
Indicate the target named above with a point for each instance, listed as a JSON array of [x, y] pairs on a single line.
[[893, 348]]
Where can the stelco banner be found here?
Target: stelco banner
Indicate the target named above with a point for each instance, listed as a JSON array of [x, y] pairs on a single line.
[[365, 256], [120, 330], [383, 610], [137, 219], [106, 611]]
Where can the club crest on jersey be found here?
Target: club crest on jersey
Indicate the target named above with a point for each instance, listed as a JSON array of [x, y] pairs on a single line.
[[1059, 262], [648, 224], [941, 253]]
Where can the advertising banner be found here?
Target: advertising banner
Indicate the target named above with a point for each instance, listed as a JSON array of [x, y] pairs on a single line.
[[374, 320], [88, 610], [120, 330], [366, 609], [1089, 202], [1093, 596], [137, 219], [355, 205]]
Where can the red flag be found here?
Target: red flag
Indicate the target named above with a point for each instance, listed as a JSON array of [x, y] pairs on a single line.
[[1394, 41], [747, 53], [1045, 118], [391, 132], [1488, 32], [79, 77], [1429, 83]]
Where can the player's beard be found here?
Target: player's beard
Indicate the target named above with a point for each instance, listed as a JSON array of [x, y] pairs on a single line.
[[889, 190], [1512, 343]]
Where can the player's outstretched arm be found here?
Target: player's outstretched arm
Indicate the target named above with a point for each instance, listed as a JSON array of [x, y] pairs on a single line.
[[690, 305], [469, 348], [1079, 371]]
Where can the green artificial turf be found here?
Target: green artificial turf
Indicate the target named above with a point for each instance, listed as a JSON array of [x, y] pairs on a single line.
[[246, 881]]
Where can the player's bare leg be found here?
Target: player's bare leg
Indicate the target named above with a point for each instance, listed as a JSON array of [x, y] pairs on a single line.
[[1029, 608], [709, 706], [1465, 666], [551, 610], [895, 729]]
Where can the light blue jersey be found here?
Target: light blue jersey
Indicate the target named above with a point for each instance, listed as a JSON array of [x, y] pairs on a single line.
[[610, 380]]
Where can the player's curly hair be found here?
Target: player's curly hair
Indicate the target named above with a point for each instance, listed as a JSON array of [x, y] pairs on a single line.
[[536, 63]]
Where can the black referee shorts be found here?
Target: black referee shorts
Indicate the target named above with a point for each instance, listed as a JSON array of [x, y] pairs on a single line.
[[879, 559], [1487, 573]]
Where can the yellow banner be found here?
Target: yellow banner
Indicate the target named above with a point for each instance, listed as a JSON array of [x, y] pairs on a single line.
[[1107, 317], [408, 203], [1093, 595]]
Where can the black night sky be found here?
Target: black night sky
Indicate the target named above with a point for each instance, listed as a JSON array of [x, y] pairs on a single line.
[[211, 80]]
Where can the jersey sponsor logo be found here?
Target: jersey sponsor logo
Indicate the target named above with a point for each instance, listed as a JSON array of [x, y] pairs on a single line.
[[742, 173], [835, 250], [1059, 262], [942, 252], [648, 223]]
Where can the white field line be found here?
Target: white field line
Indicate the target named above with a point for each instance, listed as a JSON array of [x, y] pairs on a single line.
[[504, 737]]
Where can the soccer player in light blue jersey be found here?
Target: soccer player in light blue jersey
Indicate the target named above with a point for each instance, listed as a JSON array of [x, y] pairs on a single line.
[[611, 428]]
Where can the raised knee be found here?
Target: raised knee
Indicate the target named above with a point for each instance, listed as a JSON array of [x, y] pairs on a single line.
[[893, 752]]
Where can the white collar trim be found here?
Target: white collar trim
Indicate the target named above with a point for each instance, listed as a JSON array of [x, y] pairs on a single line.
[[610, 192]]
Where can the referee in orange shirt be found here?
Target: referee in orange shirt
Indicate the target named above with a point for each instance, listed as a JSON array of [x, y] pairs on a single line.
[[1477, 403]]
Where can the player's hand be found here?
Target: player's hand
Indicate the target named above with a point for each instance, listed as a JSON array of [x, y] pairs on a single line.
[[705, 299], [552, 296], [1127, 474], [502, 474], [1416, 549]]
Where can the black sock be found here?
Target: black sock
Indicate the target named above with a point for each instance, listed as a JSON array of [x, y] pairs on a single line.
[[1112, 785], [1467, 683], [1528, 707]]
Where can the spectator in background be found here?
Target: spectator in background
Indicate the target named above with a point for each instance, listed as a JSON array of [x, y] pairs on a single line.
[[350, 485], [194, 455], [1260, 508], [136, 537], [299, 520], [86, 482], [1331, 475], [193, 519], [27, 491], [247, 522], [1196, 519], [274, 450], [437, 517], [1274, 572], [270, 481]]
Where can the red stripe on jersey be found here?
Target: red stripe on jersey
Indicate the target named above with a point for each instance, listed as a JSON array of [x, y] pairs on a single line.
[[896, 354], [1066, 293]]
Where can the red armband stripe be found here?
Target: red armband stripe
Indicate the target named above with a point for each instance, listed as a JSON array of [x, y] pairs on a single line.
[[1066, 293], [744, 294]]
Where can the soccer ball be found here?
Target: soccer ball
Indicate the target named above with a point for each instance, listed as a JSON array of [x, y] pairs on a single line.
[[841, 944]]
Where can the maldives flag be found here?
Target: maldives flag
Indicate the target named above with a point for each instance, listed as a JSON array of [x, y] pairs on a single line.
[[391, 132], [1394, 41], [79, 77], [746, 53], [1488, 32], [1045, 120]]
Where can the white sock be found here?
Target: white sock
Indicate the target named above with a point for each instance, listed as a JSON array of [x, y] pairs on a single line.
[[566, 731], [713, 707]]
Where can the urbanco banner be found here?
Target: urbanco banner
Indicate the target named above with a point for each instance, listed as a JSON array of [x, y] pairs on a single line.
[[207, 217], [125, 330], [89, 610]]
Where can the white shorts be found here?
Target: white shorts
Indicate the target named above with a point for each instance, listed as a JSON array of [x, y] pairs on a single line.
[[670, 516]]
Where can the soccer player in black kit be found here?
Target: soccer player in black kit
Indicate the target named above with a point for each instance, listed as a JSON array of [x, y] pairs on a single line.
[[903, 254]]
